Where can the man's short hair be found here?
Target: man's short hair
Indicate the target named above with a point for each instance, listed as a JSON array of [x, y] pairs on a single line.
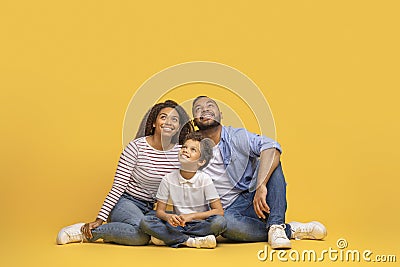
[[202, 96]]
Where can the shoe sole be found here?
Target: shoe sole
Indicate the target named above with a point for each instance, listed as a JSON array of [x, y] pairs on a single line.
[[211, 242], [58, 240], [59, 236], [325, 232], [323, 227], [282, 246], [61, 232]]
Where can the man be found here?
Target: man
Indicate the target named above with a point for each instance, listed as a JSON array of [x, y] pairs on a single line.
[[248, 176]]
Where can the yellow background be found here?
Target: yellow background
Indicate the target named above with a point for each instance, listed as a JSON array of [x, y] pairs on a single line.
[[68, 69]]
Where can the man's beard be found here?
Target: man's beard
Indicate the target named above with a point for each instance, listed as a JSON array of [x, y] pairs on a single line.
[[206, 126]]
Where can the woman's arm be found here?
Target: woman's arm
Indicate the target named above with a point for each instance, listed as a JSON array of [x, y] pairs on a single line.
[[127, 162]]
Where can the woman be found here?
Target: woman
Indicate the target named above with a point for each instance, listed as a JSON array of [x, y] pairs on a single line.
[[142, 165]]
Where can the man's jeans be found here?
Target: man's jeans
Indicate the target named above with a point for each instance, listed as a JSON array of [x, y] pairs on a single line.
[[174, 236], [125, 218], [243, 224]]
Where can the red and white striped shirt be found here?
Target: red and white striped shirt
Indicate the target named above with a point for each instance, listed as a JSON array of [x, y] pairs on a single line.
[[139, 173]]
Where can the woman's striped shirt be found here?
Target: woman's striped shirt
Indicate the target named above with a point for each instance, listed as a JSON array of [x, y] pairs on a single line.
[[139, 173]]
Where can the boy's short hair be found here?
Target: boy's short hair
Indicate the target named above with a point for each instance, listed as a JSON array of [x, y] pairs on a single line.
[[206, 147]]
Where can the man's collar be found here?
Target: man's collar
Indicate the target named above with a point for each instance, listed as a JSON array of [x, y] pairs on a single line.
[[224, 134]]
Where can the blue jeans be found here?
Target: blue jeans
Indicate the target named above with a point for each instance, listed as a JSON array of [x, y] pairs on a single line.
[[125, 218], [174, 236], [243, 224]]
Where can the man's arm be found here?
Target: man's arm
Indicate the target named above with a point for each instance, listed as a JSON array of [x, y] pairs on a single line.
[[269, 160]]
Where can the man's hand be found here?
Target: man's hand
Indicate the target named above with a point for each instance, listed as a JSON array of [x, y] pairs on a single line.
[[186, 218], [88, 227], [174, 220], [260, 203]]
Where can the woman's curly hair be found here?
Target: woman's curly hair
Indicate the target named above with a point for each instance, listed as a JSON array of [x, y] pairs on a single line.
[[185, 125]]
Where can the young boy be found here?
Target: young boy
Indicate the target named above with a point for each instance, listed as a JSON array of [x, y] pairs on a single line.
[[198, 214]]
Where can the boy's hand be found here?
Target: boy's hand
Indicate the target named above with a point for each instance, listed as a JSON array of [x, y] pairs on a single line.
[[174, 220], [186, 218]]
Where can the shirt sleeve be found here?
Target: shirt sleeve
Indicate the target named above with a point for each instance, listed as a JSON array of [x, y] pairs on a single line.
[[210, 192], [163, 190], [259, 143], [127, 162]]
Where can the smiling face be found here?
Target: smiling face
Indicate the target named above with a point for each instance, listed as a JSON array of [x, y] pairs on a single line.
[[206, 113], [166, 123], [189, 155]]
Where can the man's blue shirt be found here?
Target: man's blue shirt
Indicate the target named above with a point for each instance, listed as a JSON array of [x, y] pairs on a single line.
[[240, 151]]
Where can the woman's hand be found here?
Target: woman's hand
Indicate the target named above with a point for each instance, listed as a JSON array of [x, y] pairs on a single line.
[[88, 227]]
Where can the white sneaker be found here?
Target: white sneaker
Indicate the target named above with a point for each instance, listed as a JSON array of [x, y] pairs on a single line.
[[311, 230], [277, 237], [70, 234], [208, 241], [157, 241]]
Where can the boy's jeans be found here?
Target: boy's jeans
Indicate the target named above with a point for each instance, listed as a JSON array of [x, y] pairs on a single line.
[[174, 236], [243, 224], [125, 218]]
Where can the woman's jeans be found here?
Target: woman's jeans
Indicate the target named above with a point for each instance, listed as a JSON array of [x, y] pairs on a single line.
[[125, 218], [174, 236]]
